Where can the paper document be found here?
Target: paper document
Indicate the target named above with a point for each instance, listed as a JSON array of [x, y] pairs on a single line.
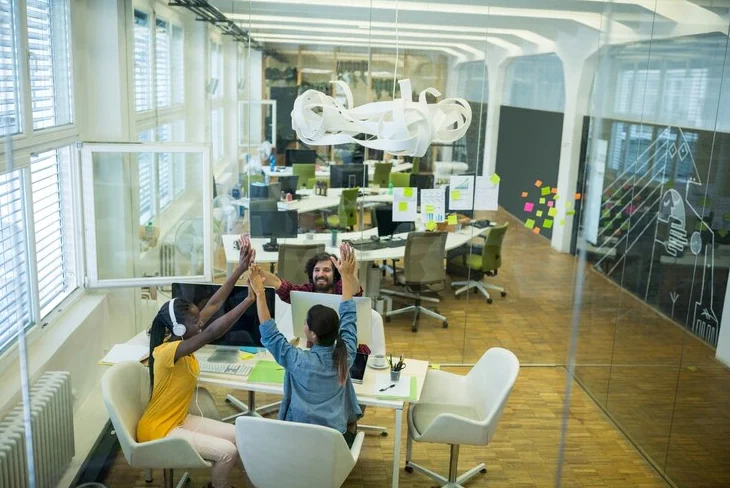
[[125, 352], [433, 205], [404, 204], [486, 193], [461, 193], [405, 388]]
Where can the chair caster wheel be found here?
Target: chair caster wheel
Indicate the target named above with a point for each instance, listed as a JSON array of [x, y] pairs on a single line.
[[489, 300], [384, 434], [504, 294], [483, 470], [408, 469], [445, 325], [414, 328]]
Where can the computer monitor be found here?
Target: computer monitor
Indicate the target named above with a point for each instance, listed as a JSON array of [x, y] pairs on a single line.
[[245, 332], [386, 226], [274, 225], [295, 156], [263, 191], [466, 213], [289, 183], [302, 301], [348, 176]]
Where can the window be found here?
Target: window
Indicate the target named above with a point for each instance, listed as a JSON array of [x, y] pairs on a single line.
[[142, 92], [9, 90], [178, 66], [215, 87], [162, 63], [52, 227], [49, 63], [146, 181], [15, 305], [164, 170]]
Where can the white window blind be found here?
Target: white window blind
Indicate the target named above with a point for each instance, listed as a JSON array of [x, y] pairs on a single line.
[[178, 65], [162, 63], [14, 290], [9, 94], [142, 92], [146, 181], [164, 170], [52, 228], [49, 62], [178, 170]]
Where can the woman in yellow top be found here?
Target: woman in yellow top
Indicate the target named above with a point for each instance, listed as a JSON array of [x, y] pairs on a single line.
[[174, 336]]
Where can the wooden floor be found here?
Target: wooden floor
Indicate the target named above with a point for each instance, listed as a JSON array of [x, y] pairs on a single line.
[[631, 361]]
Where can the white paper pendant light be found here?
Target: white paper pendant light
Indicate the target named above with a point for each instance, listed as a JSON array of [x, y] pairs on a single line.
[[400, 127]]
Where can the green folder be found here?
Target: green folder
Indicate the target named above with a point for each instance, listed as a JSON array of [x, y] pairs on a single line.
[[412, 397], [267, 372]]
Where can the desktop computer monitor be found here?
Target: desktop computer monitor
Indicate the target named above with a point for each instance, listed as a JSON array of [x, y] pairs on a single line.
[[466, 213], [386, 226], [288, 183], [263, 191], [279, 224], [348, 176], [245, 332], [302, 301], [295, 156]]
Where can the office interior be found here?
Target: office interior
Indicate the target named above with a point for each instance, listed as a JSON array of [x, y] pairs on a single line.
[[138, 136]]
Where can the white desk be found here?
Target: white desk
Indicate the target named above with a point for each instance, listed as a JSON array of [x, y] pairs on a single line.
[[324, 171], [313, 203]]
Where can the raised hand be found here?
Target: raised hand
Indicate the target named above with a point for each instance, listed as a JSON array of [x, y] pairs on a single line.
[[255, 281], [346, 264], [247, 254]]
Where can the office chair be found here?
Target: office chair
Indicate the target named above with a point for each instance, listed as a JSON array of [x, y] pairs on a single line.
[[125, 390], [477, 262], [381, 176], [400, 180], [276, 453], [291, 258], [346, 217], [461, 410], [422, 268], [305, 171]]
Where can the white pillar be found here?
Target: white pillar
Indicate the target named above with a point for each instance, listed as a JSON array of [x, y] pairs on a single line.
[[230, 107], [722, 353], [496, 69]]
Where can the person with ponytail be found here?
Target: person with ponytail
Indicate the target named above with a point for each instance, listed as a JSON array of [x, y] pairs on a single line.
[[177, 332], [317, 385]]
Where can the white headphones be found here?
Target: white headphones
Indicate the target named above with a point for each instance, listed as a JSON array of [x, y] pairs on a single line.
[[177, 328]]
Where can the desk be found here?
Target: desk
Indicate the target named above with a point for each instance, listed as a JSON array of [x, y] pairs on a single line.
[[324, 171], [312, 203]]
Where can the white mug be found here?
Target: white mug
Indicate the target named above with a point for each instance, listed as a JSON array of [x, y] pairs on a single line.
[[378, 360]]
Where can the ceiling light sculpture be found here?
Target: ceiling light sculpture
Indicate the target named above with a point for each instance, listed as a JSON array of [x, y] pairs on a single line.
[[400, 127]]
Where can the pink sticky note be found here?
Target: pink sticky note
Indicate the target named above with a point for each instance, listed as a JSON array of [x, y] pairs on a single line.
[[529, 206], [551, 203]]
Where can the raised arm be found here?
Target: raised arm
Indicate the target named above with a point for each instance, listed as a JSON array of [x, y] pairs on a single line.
[[246, 256], [346, 266]]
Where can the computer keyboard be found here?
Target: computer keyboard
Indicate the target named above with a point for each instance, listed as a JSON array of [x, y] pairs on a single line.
[[225, 368], [481, 224]]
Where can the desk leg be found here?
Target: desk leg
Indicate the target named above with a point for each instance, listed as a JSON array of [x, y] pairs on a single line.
[[363, 276], [396, 445]]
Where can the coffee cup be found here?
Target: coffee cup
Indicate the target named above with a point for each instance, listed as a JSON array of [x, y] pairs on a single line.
[[378, 360]]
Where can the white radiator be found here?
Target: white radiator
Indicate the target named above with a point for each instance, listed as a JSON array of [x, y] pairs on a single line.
[[51, 405], [167, 259]]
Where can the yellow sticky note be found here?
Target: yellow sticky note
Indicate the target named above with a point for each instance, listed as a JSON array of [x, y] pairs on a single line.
[[435, 366], [494, 178], [570, 212], [553, 212], [529, 223], [430, 209], [402, 206], [562, 221], [539, 213], [556, 196], [245, 355], [452, 219], [455, 195], [430, 225], [407, 192], [542, 201]]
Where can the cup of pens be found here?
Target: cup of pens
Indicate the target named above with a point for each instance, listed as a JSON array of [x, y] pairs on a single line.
[[395, 368]]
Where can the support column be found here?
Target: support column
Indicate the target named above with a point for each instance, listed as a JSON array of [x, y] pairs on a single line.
[[496, 70], [722, 353]]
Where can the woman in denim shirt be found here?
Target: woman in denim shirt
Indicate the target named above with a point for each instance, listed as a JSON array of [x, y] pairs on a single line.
[[317, 385]]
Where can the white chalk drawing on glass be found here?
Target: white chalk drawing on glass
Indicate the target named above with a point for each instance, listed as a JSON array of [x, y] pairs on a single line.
[[642, 198]]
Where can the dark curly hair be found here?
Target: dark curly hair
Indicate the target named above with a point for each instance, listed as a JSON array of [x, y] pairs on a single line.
[[318, 258]]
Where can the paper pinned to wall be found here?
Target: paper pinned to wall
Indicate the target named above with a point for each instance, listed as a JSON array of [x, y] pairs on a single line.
[[486, 193], [433, 205], [404, 204], [461, 189]]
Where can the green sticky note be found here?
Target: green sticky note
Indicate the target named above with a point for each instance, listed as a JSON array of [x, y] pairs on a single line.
[[556, 196], [548, 224], [430, 225], [726, 217], [539, 213], [562, 221], [402, 206], [570, 212], [455, 195], [267, 372], [452, 219], [545, 190], [722, 233], [542, 201], [552, 212], [529, 223], [407, 192], [494, 178], [430, 209]]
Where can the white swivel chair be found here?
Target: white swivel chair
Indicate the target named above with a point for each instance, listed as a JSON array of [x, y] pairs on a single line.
[[125, 391], [277, 453], [461, 410]]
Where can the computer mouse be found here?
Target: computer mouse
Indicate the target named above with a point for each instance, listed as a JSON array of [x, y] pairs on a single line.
[[374, 238]]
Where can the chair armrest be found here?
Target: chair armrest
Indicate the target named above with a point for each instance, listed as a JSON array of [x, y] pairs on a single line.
[[167, 453], [444, 388], [357, 446]]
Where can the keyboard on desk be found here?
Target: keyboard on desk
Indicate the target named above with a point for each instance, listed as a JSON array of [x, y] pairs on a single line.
[[225, 368], [366, 245], [480, 224]]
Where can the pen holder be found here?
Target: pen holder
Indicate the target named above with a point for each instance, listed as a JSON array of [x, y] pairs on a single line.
[[394, 375]]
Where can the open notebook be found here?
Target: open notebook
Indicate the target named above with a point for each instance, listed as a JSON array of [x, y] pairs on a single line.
[[125, 352]]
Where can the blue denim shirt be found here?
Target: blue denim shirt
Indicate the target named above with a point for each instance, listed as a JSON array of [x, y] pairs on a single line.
[[312, 393]]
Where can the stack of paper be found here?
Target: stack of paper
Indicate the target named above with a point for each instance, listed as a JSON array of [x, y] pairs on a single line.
[[125, 352]]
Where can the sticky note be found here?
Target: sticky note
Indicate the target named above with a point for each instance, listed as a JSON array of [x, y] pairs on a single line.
[[570, 212], [556, 196], [455, 195], [245, 355], [551, 203], [545, 190], [577, 196], [692, 368], [553, 212], [722, 233], [529, 206], [524, 194], [529, 223], [452, 219], [430, 225], [407, 192], [494, 179], [538, 183], [726, 217], [562, 221], [402, 206], [554, 190], [430, 209], [542, 201], [548, 224], [435, 366], [536, 230], [568, 204], [539, 213]]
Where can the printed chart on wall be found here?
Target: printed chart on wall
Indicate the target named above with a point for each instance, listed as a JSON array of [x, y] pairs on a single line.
[[433, 205], [486, 192], [461, 193]]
